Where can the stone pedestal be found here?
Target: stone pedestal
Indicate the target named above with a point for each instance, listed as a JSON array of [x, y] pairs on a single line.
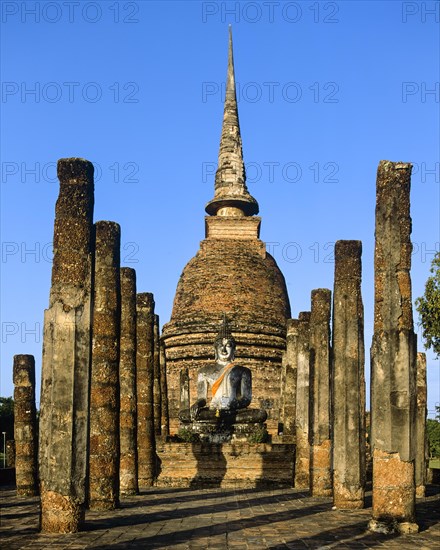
[[226, 426], [348, 378], [25, 424], [320, 381], [235, 465], [64, 408], [393, 356]]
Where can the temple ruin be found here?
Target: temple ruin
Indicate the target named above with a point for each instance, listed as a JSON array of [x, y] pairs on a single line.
[[255, 299], [233, 392]]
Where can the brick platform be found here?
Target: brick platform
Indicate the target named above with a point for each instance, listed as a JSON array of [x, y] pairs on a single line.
[[228, 465]]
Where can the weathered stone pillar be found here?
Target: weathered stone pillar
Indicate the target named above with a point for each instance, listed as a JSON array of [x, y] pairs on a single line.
[[165, 422], [157, 394], [288, 378], [64, 410], [10, 453], [421, 442], [25, 425], [393, 356], [320, 381], [104, 385], [128, 476], [184, 390], [348, 378], [303, 403], [144, 382]]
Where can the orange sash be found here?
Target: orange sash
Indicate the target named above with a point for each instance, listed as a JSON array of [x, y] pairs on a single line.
[[219, 380]]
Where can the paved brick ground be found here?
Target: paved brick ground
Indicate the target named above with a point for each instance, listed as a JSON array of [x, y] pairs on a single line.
[[217, 519]]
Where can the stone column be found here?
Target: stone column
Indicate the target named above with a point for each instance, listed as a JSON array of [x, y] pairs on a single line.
[[10, 453], [104, 386], [303, 396], [64, 410], [348, 378], [144, 382], [157, 394], [184, 390], [25, 425], [421, 442], [393, 356], [165, 422], [288, 377], [127, 380], [320, 381]]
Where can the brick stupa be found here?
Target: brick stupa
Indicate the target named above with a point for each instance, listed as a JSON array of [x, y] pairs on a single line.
[[232, 273]]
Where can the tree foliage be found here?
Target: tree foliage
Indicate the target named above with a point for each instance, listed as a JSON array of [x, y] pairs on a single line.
[[7, 416], [433, 434], [428, 307]]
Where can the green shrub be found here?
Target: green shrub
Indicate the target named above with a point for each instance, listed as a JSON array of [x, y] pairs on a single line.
[[187, 436], [433, 435], [260, 435]]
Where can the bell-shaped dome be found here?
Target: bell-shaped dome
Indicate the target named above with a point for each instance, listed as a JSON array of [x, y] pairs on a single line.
[[234, 277]]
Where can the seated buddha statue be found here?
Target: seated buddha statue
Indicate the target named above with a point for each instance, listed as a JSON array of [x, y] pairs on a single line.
[[224, 389]]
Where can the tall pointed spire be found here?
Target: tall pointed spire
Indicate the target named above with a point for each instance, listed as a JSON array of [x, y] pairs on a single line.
[[231, 196]]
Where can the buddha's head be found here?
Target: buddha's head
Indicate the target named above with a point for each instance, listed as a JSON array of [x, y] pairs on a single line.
[[224, 350], [224, 344]]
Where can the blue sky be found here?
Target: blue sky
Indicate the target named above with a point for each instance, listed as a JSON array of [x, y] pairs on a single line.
[[326, 90]]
